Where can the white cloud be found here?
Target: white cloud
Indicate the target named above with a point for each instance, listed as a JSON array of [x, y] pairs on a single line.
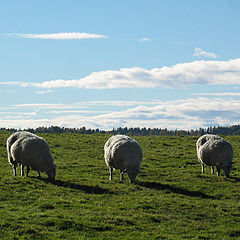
[[21, 84], [85, 104], [198, 52], [189, 113], [18, 115], [77, 111], [43, 106], [59, 36], [218, 94], [44, 92], [144, 40], [180, 75]]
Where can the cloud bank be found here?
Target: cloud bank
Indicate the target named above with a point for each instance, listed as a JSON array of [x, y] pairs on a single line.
[[58, 36], [180, 75], [191, 113]]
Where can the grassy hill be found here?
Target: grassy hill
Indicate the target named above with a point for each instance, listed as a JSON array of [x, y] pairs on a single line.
[[173, 199]]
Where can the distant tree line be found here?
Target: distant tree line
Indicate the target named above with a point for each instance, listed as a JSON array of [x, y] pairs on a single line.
[[232, 130]]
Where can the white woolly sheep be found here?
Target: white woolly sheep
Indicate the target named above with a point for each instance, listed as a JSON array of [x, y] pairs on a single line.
[[34, 152], [124, 153], [205, 138], [13, 138], [217, 153], [201, 141]]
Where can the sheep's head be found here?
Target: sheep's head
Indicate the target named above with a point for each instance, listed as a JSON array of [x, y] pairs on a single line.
[[132, 174], [227, 169], [52, 173]]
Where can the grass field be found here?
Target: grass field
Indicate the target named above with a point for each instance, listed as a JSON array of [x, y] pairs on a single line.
[[172, 200]]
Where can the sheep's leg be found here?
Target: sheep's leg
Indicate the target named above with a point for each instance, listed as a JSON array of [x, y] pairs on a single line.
[[122, 175], [22, 170], [28, 169], [14, 170], [218, 171], [111, 173], [203, 168], [39, 175], [212, 169]]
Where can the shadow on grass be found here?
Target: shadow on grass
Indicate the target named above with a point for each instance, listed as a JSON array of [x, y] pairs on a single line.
[[159, 186], [233, 179], [84, 188]]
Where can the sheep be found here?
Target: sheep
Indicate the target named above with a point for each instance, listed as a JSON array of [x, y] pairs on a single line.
[[34, 152], [124, 153], [14, 137], [201, 141], [217, 153]]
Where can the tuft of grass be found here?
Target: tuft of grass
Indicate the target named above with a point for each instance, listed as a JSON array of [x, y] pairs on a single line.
[[172, 199]]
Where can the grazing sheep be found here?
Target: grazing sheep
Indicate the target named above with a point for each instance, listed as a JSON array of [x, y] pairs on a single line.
[[201, 141], [13, 138], [34, 152], [124, 153], [217, 153]]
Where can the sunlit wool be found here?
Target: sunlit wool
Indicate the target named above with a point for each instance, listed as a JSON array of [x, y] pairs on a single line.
[[214, 151], [10, 141], [124, 153], [34, 152]]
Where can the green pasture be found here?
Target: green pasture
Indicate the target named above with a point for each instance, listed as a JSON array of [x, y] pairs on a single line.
[[172, 199]]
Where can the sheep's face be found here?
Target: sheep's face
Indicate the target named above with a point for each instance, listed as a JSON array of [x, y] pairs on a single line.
[[132, 174], [51, 174], [227, 170], [132, 178], [227, 167]]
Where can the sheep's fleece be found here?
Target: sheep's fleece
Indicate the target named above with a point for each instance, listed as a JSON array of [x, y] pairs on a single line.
[[205, 138], [34, 152], [217, 153], [124, 153], [13, 138]]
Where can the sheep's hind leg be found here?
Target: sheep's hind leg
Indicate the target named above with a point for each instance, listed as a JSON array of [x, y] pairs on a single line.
[[212, 169], [203, 168], [22, 170], [218, 171], [121, 175], [111, 173], [14, 170], [39, 174], [28, 169]]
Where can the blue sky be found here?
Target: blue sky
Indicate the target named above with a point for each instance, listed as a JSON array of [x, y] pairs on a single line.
[[108, 64]]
